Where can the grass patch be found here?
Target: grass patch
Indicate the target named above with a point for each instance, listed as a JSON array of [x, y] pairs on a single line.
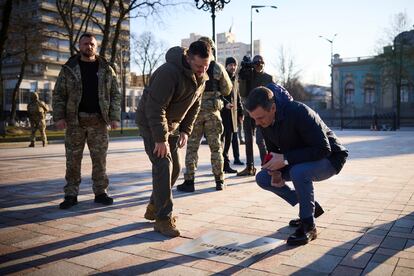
[[22, 134]]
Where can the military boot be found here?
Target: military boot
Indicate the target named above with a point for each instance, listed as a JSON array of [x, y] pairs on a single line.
[[150, 213], [187, 186], [166, 227], [219, 183], [248, 171], [44, 143], [32, 145], [68, 202]]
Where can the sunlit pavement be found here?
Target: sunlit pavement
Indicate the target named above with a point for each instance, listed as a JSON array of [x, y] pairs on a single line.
[[367, 226]]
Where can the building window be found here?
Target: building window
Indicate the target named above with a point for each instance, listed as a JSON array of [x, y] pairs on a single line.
[[405, 91], [369, 92], [349, 92]]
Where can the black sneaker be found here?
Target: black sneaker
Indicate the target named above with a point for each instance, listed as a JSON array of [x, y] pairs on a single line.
[[318, 212], [304, 234], [187, 186], [104, 199], [238, 162], [68, 202], [228, 169]]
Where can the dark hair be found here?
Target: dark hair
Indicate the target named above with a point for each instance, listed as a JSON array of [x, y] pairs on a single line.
[[200, 48], [90, 35], [260, 96]]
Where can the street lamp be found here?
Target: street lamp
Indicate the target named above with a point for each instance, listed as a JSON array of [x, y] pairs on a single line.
[[331, 42], [256, 7], [212, 6]]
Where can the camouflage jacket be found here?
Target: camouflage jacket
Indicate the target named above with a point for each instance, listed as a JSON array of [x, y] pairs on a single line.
[[37, 109], [171, 102], [68, 92], [219, 84]]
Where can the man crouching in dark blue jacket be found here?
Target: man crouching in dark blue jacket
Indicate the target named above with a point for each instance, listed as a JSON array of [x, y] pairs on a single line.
[[302, 149]]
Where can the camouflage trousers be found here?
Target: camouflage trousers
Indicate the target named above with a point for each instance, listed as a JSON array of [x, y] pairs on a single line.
[[41, 126], [93, 131], [208, 123]]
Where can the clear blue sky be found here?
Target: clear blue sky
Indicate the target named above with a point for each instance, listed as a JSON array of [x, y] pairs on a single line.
[[295, 24]]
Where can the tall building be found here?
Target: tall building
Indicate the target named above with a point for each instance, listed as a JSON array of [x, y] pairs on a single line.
[[227, 46], [43, 69]]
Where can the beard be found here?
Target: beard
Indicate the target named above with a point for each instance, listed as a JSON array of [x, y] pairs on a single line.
[[88, 53]]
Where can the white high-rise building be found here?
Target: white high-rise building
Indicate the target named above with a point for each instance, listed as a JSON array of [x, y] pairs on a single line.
[[227, 46]]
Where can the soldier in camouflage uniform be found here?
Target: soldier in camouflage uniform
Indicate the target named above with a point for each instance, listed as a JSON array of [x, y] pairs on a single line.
[[208, 122], [37, 110], [86, 100]]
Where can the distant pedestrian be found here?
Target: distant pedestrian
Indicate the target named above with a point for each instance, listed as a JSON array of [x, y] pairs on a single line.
[[86, 101], [37, 110]]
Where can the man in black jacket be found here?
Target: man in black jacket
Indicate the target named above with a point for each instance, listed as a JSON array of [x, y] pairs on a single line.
[[302, 150], [257, 78]]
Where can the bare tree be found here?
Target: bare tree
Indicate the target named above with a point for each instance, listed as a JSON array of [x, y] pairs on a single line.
[[124, 10], [24, 44], [289, 76], [148, 53], [398, 23], [5, 23], [76, 19]]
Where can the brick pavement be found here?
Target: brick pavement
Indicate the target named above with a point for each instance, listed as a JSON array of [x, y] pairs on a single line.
[[367, 227]]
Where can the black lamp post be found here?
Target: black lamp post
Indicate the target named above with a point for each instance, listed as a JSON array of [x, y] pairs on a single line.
[[212, 6]]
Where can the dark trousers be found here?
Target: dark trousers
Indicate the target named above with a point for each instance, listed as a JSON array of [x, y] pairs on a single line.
[[302, 176], [235, 146], [249, 126], [165, 172]]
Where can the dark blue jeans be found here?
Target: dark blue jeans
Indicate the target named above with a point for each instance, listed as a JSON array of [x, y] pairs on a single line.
[[302, 176]]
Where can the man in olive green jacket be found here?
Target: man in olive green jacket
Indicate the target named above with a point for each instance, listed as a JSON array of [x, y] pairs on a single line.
[[165, 117], [86, 100]]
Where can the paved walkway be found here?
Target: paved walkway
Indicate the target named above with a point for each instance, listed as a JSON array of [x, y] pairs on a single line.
[[367, 227]]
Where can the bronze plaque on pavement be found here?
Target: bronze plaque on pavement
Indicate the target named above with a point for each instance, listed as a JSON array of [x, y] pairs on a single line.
[[228, 247]]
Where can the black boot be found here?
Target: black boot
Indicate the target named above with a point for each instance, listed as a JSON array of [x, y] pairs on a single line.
[[220, 185], [68, 202], [32, 144], [228, 169], [187, 186], [304, 234], [318, 212], [237, 162], [104, 199], [248, 171]]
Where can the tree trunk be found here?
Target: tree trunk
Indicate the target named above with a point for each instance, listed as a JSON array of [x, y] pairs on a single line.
[[16, 91], [107, 27]]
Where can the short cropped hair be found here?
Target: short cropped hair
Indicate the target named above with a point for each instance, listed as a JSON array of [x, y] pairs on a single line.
[[89, 35], [200, 48], [260, 96]]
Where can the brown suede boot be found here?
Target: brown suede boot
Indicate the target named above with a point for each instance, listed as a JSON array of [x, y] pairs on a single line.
[[150, 213], [248, 171], [166, 227]]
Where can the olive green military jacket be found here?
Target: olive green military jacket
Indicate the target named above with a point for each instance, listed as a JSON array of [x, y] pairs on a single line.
[[172, 100], [68, 92]]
